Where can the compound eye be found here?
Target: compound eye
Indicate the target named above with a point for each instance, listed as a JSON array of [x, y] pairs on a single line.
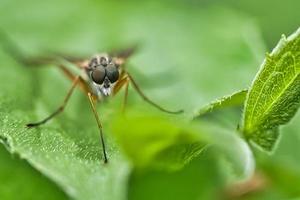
[[98, 75], [112, 73]]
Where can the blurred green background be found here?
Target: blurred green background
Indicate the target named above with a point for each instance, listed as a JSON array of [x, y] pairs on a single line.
[[191, 52]]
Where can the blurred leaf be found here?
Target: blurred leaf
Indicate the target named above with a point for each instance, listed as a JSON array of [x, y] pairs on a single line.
[[14, 175], [271, 24], [281, 169], [226, 112], [163, 144], [168, 145], [275, 94], [236, 151], [200, 179]]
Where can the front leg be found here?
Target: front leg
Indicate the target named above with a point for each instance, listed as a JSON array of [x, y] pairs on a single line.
[[99, 126], [60, 108], [123, 82]]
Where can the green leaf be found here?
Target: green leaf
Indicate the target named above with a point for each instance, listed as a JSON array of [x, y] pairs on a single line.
[[163, 144], [225, 111], [274, 96], [71, 160], [235, 99], [282, 167], [168, 145], [14, 175], [202, 172]]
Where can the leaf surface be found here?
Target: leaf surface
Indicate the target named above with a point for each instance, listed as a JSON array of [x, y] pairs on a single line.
[[14, 175], [274, 96]]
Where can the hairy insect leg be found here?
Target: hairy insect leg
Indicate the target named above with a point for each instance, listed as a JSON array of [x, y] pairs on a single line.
[[145, 98], [99, 126], [60, 108]]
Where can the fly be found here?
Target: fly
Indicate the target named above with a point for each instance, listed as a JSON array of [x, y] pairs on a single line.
[[102, 76]]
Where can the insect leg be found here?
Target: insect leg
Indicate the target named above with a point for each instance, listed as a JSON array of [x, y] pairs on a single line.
[[99, 126], [139, 91], [60, 108], [82, 84], [125, 97], [123, 82]]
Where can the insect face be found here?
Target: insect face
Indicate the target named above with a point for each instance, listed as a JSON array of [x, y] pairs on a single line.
[[104, 73]]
